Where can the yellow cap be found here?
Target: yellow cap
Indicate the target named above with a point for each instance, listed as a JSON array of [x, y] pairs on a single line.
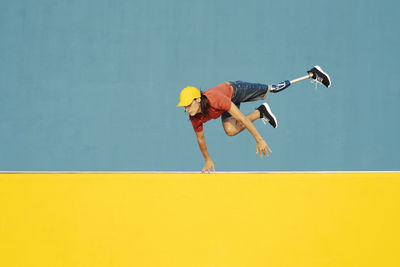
[[188, 94]]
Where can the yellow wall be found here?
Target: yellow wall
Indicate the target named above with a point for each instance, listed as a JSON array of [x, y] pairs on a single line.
[[223, 219]]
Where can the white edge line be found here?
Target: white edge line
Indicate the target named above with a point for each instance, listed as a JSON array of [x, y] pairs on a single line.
[[189, 172]]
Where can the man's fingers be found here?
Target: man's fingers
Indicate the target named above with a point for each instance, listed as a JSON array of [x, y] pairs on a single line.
[[208, 168], [263, 151]]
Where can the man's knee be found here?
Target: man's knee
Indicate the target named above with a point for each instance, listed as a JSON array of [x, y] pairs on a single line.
[[230, 130]]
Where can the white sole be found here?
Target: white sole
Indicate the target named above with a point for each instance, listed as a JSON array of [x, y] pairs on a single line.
[[270, 113], [329, 78]]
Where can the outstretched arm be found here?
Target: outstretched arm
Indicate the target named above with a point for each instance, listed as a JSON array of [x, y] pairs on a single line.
[[203, 148], [262, 146]]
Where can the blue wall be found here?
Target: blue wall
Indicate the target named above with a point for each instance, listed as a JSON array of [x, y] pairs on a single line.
[[92, 85]]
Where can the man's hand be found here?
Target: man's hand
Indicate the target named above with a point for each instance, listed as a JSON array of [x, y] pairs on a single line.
[[263, 148], [207, 167]]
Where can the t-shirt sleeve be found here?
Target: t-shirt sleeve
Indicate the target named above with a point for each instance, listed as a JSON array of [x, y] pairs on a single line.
[[197, 125]]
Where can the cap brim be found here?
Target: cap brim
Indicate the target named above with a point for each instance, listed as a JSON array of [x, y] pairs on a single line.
[[184, 104]]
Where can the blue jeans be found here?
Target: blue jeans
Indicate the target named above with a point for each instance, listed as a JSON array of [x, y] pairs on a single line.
[[245, 92]]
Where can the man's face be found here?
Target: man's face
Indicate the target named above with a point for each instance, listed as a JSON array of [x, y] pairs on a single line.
[[194, 107]]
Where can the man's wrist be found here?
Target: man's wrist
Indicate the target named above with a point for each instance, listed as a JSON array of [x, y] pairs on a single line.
[[259, 139]]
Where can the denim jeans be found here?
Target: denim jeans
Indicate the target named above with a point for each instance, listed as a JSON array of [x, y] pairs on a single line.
[[245, 92]]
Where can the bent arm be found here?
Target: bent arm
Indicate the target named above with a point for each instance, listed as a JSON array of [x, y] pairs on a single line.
[[262, 146], [202, 145], [209, 165], [239, 116]]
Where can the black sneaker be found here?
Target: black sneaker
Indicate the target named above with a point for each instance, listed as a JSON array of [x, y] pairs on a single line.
[[266, 115], [320, 76]]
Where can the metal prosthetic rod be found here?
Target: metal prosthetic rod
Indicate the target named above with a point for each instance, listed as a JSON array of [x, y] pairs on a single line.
[[301, 79]]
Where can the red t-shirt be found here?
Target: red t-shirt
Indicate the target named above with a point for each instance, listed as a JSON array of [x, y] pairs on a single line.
[[219, 98]]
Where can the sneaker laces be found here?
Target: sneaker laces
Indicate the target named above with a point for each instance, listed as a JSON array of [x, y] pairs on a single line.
[[265, 120], [316, 81]]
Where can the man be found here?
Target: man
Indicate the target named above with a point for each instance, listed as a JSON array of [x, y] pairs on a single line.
[[224, 100]]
